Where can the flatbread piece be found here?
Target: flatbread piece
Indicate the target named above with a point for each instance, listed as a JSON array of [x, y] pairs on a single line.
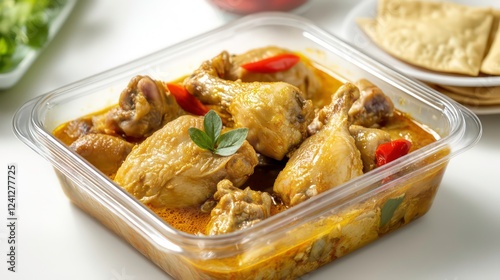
[[439, 36]]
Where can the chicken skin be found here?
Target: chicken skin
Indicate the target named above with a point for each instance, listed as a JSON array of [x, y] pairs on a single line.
[[276, 118], [327, 158], [169, 170], [237, 209], [275, 113], [105, 152], [367, 140]]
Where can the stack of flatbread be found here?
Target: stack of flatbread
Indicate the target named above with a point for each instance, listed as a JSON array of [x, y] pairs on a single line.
[[443, 37]]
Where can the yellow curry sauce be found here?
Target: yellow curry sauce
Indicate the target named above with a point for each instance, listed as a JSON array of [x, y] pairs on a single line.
[[192, 220]]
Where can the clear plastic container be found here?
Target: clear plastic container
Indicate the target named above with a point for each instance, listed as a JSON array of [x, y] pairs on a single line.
[[297, 240]]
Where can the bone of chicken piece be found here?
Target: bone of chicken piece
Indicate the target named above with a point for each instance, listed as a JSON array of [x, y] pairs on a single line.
[[367, 140], [144, 107], [372, 108], [276, 113], [209, 84], [326, 159], [237, 209], [169, 170], [103, 151]]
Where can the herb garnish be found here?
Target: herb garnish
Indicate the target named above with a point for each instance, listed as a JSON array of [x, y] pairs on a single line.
[[211, 139], [389, 208], [24, 25]]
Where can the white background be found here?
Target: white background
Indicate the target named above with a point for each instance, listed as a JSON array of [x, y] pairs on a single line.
[[457, 239]]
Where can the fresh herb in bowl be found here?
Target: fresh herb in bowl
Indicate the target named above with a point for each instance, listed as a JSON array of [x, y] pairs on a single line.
[[24, 25]]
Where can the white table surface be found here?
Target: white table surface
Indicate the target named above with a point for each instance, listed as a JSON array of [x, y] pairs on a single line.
[[457, 239]]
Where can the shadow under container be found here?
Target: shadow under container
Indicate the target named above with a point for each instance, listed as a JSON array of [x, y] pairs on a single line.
[[291, 243]]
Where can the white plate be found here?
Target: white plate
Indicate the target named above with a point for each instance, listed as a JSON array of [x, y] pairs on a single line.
[[368, 8], [9, 79]]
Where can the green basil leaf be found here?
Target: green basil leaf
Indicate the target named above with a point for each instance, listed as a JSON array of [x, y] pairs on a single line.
[[388, 209], [212, 125], [229, 142], [201, 139], [211, 139]]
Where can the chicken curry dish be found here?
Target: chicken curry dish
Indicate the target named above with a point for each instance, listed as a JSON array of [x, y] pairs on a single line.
[[242, 138]]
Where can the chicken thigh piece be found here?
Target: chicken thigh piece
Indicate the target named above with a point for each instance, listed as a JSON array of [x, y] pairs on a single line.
[[237, 209], [105, 152], [169, 170], [327, 158], [276, 117], [275, 113], [372, 108], [144, 107], [215, 76]]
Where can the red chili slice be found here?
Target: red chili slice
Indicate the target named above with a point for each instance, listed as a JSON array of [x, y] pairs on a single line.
[[392, 150], [273, 64], [186, 100]]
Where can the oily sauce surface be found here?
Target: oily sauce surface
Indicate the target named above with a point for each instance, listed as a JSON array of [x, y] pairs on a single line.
[[192, 220]]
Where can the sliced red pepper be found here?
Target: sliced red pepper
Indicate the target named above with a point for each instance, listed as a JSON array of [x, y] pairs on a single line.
[[392, 150], [186, 100], [273, 64]]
